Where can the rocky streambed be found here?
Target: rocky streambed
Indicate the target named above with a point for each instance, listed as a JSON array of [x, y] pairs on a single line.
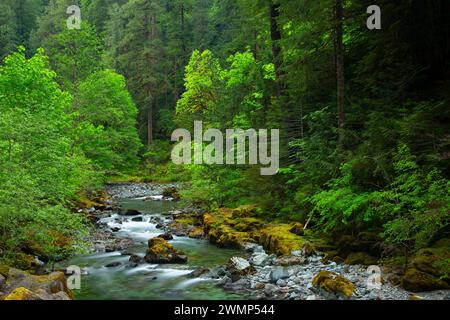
[[119, 266], [145, 246]]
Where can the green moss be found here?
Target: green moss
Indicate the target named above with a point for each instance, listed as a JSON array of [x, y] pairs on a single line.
[[334, 283], [187, 220], [21, 294], [417, 281], [196, 233], [279, 240], [4, 270], [433, 261]]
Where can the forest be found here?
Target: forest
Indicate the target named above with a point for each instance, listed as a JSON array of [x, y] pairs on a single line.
[[363, 115]]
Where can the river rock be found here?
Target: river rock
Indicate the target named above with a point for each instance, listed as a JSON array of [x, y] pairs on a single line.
[[135, 259], [253, 247], [260, 259], [199, 272], [113, 265], [278, 273], [282, 283], [238, 263], [287, 261], [270, 289], [238, 267], [138, 219], [160, 251]]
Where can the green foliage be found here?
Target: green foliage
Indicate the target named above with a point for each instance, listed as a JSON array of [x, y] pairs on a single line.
[[215, 186], [202, 81], [159, 152], [418, 203], [35, 134], [413, 209], [74, 55], [104, 107]]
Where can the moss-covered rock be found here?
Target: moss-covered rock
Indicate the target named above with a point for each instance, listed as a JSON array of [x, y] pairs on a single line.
[[417, 281], [95, 199], [279, 240], [433, 261], [244, 211], [43, 286], [247, 224], [224, 236], [4, 270], [161, 251], [234, 227], [196, 233], [22, 294], [334, 283], [361, 258], [26, 262]]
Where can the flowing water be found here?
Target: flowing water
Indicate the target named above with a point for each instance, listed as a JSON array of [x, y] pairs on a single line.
[[150, 281]]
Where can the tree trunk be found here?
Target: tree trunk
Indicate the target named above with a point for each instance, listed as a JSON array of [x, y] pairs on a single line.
[[150, 126], [339, 55]]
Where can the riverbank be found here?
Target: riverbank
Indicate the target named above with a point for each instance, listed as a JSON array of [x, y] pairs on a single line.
[[289, 270], [230, 253]]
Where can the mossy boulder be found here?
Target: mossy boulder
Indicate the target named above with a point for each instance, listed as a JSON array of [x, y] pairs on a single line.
[[161, 251], [196, 233], [26, 262], [224, 236], [279, 240], [188, 220], [244, 211], [95, 199], [22, 294], [417, 281], [334, 283], [225, 231], [433, 261], [234, 227], [247, 224], [183, 223], [208, 220], [4, 270], [361, 258], [429, 270]]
